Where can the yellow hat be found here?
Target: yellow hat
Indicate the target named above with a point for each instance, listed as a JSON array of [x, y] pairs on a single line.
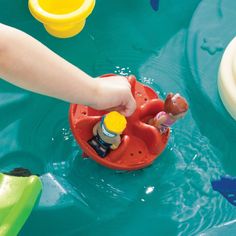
[[115, 122]]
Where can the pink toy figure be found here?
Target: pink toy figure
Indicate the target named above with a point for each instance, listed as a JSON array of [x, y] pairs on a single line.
[[175, 107]]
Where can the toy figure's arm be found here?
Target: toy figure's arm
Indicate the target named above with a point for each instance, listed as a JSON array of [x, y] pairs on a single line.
[[95, 129], [116, 144], [29, 64], [160, 121], [156, 122]]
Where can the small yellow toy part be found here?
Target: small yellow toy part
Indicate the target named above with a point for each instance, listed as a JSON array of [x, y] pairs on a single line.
[[62, 18], [115, 122]]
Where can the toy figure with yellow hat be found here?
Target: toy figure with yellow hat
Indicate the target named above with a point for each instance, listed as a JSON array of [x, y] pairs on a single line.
[[107, 133]]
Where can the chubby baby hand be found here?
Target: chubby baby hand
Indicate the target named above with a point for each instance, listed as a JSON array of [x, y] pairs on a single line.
[[114, 93]]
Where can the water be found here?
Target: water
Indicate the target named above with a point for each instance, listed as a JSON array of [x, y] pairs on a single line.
[[174, 195]]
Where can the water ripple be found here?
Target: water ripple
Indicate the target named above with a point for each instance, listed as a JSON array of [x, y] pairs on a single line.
[[188, 192]]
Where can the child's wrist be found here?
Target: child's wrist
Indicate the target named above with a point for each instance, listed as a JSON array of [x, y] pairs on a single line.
[[94, 93], [97, 93]]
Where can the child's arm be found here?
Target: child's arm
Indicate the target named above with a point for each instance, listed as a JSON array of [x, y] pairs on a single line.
[[29, 64]]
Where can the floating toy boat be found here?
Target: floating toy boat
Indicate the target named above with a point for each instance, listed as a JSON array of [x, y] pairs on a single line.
[[62, 19], [141, 143]]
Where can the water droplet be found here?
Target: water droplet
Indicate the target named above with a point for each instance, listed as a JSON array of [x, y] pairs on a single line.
[[92, 37], [147, 80], [149, 189], [124, 71]]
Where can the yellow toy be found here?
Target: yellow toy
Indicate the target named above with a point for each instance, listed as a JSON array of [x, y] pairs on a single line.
[[107, 133], [62, 18], [115, 122]]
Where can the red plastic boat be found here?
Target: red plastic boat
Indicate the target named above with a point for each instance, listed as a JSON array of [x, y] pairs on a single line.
[[141, 143]]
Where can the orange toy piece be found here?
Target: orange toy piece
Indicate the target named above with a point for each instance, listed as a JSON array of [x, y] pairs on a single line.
[[141, 143]]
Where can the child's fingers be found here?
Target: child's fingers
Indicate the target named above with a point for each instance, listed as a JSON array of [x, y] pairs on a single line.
[[126, 110], [130, 106], [119, 109]]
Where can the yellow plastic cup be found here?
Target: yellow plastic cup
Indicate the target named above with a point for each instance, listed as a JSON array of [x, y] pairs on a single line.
[[62, 18]]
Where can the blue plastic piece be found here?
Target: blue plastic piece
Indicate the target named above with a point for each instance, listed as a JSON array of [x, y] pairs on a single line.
[[155, 4], [227, 187]]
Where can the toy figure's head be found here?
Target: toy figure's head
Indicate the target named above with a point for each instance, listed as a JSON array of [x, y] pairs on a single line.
[[113, 123], [175, 105]]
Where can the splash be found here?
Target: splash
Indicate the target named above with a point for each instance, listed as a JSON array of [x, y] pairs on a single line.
[[123, 71]]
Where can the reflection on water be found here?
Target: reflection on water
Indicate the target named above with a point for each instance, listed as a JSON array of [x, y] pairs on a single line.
[[191, 194]]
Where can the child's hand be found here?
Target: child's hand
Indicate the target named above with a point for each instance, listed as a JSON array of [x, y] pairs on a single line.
[[114, 93]]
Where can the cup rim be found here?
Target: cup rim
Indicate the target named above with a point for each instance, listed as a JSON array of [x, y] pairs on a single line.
[[45, 17]]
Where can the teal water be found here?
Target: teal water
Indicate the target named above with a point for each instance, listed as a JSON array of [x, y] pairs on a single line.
[[176, 49]]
